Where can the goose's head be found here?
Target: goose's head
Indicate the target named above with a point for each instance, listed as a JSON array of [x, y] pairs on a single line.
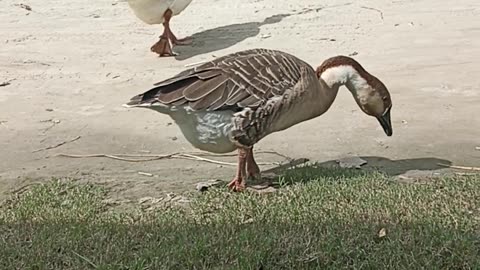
[[370, 93]]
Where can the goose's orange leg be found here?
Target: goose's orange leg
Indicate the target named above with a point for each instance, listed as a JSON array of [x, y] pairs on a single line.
[[238, 183], [253, 171], [164, 46]]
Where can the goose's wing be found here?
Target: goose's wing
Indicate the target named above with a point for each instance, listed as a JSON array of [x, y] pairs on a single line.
[[232, 82]]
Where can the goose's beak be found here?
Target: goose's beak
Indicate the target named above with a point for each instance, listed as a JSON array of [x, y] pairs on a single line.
[[386, 123]]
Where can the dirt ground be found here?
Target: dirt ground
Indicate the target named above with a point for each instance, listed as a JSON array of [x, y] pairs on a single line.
[[70, 66]]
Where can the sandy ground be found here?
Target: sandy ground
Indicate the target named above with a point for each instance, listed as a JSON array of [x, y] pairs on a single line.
[[72, 64]]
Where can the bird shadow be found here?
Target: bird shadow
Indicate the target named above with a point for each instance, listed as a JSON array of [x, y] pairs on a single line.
[[400, 166], [226, 36], [223, 37], [298, 171]]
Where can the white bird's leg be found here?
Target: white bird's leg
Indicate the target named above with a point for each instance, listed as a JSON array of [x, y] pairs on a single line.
[[253, 171], [164, 47], [238, 183], [168, 32]]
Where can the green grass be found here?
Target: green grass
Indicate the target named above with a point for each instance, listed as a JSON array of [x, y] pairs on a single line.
[[319, 219]]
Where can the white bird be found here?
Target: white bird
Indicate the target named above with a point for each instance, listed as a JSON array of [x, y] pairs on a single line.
[[160, 12], [236, 100]]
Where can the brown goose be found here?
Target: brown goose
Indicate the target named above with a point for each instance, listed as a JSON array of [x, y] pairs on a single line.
[[236, 100]]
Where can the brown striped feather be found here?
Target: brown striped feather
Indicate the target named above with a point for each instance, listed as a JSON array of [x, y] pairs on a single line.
[[240, 95], [242, 79], [203, 88], [211, 98], [219, 102], [168, 97]]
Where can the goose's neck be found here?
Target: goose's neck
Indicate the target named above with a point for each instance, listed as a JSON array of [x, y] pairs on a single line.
[[343, 75], [347, 75]]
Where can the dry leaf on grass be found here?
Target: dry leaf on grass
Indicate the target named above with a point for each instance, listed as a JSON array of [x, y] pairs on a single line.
[[382, 233]]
